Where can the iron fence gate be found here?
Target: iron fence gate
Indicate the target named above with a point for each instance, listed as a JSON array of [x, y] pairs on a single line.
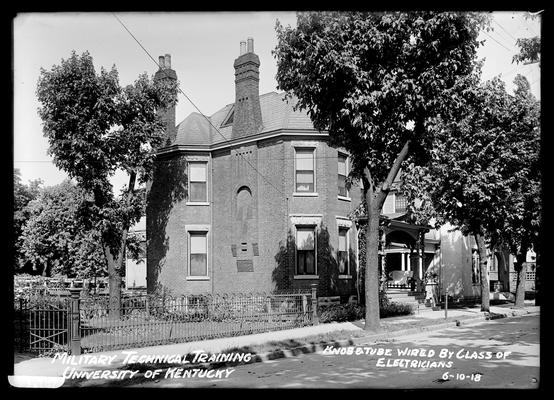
[[48, 327]]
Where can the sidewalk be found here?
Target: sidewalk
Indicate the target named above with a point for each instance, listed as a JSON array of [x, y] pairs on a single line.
[[391, 327]]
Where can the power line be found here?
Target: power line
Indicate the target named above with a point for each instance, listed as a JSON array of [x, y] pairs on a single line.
[[498, 23], [486, 33], [194, 105]]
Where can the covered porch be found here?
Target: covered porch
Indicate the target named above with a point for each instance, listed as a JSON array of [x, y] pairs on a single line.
[[406, 253], [409, 257]]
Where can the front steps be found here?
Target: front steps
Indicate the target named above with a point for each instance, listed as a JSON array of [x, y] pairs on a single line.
[[405, 296]]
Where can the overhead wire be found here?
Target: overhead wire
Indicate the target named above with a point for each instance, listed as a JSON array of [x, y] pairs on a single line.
[[195, 106]]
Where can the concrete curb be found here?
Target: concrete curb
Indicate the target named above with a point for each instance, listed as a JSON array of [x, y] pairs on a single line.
[[313, 348]]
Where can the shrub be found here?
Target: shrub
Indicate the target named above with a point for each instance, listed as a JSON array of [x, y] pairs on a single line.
[[353, 312], [341, 313], [395, 309]]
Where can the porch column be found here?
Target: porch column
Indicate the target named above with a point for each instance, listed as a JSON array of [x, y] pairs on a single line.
[[409, 259], [422, 256], [403, 261], [383, 258]]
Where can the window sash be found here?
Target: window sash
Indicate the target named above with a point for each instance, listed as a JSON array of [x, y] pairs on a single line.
[[305, 170], [198, 191], [400, 203], [197, 172], [198, 181], [342, 174], [305, 159], [305, 251], [343, 252], [305, 239], [342, 186], [343, 262], [198, 260], [305, 181], [305, 262]]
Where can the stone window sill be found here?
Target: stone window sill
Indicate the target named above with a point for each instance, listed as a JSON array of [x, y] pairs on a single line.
[[197, 203], [345, 276], [198, 278], [305, 194], [306, 276], [344, 198]]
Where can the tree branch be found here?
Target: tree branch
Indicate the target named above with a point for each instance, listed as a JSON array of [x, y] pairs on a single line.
[[385, 189]]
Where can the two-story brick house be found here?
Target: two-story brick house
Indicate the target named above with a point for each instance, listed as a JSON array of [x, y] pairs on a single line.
[[251, 198]]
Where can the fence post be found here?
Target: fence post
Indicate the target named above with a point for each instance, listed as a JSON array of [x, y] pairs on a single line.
[[315, 320], [304, 307], [22, 334], [74, 323], [269, 309]]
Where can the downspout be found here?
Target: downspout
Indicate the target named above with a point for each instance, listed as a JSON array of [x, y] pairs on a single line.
[[212, 220]]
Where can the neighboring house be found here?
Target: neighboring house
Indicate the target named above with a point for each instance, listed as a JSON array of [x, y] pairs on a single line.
[[135, 269]]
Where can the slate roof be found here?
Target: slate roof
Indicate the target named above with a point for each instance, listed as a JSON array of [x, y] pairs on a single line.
[[277, 113]]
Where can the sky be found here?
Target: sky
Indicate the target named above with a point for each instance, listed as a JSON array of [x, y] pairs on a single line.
[[203, 47]]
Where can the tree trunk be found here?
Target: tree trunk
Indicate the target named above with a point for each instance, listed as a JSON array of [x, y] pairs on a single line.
[[115, 262], [114, 285], [372, 270], [485, 285], [519, 267]]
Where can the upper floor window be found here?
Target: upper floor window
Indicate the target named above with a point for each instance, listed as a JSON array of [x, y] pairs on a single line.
[[400, 203], [198, 182], [305, 167], [343, 173], [343, 251], [305, 251]]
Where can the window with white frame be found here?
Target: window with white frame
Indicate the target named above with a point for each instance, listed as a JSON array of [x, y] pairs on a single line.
[[198, 254], [198, 182], [305, 250], [305, 170], [342, 253], [400, 203], [342, 174]]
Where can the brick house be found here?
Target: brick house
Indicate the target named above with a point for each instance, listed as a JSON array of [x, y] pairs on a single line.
[[252, 200]]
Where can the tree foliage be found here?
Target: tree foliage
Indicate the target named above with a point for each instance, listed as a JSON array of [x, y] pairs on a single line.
[[23, 195], [95, 128], [364, 76], [484, 174], [53, 239], [375, 82], [529, 50]]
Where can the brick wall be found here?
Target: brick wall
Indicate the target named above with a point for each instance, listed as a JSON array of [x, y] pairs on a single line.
[[269, 226]]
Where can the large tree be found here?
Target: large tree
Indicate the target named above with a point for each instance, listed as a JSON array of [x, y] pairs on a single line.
[[483, 177], [519, 228], [53, 239], [375, 82], [95, 128]]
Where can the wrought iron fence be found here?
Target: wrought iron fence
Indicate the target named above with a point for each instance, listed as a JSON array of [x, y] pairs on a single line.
[[148, 320]]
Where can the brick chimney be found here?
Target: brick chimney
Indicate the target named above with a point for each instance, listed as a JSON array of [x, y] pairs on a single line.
[[247, 119], [165, 72]]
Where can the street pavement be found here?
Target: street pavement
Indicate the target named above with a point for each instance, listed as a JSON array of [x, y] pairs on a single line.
[[514, 340]]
